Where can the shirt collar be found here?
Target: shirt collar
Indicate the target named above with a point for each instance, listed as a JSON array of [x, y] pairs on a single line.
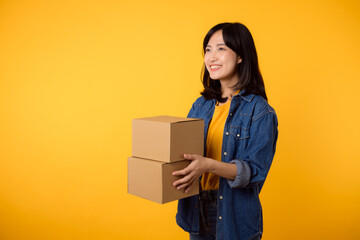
[[241, 94], [247, 98]]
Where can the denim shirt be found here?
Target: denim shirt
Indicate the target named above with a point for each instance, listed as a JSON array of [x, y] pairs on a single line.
[[249, 141]]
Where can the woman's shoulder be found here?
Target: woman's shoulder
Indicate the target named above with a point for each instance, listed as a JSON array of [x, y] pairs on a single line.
[[201, 101], [260, 102], [200, 107], [258, 105]]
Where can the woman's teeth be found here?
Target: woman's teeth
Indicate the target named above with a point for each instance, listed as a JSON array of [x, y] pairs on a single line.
[[214, 67]]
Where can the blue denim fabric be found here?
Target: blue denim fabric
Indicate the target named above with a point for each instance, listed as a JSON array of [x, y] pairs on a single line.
[[208, 216], [249, 141]]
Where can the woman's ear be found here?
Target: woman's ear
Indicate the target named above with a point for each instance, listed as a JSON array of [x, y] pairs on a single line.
[[239, 60]]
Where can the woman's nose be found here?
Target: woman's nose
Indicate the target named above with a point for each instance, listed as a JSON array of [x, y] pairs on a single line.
[[212, 56]]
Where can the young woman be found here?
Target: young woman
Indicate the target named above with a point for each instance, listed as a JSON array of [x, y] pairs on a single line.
[[240, 138]]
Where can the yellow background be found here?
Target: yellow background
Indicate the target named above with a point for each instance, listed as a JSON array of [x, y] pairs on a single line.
[[74, 73]]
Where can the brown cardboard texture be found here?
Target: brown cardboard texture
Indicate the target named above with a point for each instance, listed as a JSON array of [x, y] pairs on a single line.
[[153, 180], [167, 138]]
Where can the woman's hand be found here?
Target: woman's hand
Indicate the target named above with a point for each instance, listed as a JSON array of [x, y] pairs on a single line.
[[191, 173]]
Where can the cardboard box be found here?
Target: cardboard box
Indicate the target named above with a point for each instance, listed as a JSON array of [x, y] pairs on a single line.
[[166, 138], [153, 180]]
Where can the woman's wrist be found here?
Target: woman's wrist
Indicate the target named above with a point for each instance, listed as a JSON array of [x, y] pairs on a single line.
[[211, 165]]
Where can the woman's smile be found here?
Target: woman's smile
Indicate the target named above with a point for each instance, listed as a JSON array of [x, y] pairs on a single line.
[[215, 67]]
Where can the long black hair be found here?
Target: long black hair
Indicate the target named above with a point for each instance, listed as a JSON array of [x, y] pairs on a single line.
[[239, 39]]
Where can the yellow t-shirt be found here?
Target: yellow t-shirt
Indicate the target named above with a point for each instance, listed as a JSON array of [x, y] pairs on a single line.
[[210, 181]]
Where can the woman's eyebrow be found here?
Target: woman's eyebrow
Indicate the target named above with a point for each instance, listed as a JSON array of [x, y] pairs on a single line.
[[219, 44]]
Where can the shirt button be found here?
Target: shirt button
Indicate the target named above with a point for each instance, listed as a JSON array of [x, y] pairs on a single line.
[[221, 197], [230, 114], [225, 153], [220, 217], [227, 133], [238, 135]]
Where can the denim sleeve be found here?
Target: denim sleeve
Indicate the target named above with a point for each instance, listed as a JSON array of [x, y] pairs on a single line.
[[191, 112], [258, 155], [242, 176]]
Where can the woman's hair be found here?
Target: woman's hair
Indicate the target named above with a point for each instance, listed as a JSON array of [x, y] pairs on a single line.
[[238, 38]]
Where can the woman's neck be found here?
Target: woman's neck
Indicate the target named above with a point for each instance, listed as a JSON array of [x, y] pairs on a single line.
[[228, 92], [227, 88]]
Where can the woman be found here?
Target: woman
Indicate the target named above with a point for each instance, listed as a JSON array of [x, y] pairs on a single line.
[[240, 137]]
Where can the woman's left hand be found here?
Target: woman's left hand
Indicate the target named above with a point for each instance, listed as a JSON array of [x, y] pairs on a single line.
[[191, 173]]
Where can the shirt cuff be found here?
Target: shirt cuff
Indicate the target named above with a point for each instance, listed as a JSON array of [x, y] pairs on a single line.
[[242, 178]]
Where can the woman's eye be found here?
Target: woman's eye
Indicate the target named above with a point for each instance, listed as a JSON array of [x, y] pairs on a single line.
[[207, 50], [221, 49]]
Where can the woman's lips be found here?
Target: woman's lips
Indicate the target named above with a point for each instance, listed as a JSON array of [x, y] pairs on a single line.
[[215, 67]]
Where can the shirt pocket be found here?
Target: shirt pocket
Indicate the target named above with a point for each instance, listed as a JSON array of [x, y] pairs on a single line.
[[238, 139], [239, 133]]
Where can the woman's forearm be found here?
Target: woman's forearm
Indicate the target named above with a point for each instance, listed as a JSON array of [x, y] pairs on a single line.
[[226, 170], [200, 165]]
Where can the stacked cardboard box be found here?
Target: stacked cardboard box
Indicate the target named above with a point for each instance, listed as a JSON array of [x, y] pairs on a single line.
[[158, 147]]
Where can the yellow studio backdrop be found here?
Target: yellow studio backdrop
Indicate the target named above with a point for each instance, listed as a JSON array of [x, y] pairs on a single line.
[[73, 74]]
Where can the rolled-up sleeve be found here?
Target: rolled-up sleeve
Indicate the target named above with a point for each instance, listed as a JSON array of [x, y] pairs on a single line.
[[243, 174]]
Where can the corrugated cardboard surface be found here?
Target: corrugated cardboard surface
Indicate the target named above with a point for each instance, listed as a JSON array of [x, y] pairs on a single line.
[[167, 138], [186, 137], [145, 179], [151, 140], [153, 180]]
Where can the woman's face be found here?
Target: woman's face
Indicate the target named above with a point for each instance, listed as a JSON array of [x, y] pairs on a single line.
[[220, 60]]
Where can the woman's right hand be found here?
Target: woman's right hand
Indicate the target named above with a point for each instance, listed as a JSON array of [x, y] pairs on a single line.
[[198, 166]]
